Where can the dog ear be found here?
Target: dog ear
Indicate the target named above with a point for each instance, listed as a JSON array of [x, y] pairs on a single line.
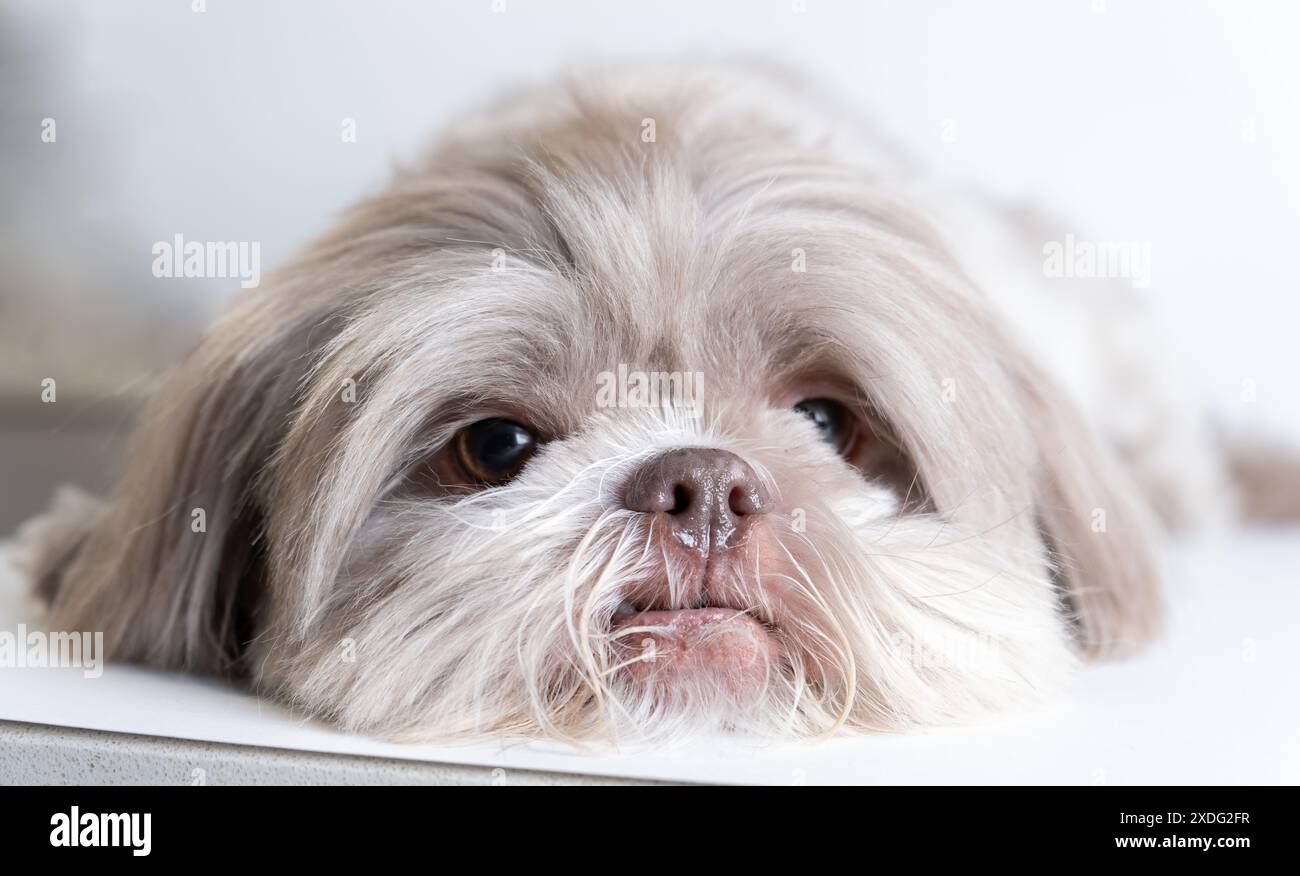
[[169, 568], [1012, 456], [1098, 530]]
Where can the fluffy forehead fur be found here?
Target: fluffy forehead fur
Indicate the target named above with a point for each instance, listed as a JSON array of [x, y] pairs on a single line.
[[714, 221]]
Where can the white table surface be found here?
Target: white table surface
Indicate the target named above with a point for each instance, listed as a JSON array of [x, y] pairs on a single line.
[[1216, 700]]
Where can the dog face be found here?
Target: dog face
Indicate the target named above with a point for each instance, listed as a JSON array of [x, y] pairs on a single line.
[[576, 432]]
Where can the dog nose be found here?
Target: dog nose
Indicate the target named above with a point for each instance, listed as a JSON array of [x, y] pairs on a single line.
[[709, 496]]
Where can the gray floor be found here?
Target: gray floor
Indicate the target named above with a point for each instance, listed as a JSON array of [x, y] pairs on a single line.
[[33, 754]]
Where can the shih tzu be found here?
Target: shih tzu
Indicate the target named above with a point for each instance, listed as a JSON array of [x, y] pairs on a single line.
[[655, 401]]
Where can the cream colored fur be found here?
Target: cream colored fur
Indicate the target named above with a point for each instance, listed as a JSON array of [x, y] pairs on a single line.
[[542, 242]]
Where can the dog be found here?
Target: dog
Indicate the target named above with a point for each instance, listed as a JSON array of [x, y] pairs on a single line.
[[442, 476]]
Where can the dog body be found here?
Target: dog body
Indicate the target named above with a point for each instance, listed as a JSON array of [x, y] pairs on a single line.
[[892, 499]]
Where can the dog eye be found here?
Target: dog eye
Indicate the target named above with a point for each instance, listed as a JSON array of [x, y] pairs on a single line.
[[493, 451], [836, 424]]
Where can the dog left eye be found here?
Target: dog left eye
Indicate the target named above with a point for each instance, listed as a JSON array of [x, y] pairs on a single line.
[[835, 423], [493, 451]]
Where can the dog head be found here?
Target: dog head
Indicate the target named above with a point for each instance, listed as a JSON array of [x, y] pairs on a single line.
[[635, 406]]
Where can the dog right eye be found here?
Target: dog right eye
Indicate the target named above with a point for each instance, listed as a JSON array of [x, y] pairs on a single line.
[[493, 451]]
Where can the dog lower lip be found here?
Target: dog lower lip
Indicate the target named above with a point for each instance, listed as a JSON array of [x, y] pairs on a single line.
[[652, 612], [629, 615], [657, 611], [666, 646]]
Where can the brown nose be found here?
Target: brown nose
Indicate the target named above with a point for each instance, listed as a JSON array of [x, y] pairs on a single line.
[[709, 496]]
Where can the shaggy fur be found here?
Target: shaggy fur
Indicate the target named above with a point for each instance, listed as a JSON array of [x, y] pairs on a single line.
[[544, 242]]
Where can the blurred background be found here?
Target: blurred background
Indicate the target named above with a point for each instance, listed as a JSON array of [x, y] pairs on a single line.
[[127, 122]]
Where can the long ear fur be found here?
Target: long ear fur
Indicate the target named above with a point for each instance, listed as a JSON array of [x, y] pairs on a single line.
[[1100, 533], [169, 568], [1014, 458]]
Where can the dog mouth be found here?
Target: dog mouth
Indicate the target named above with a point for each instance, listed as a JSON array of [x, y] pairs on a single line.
[[664, 647]]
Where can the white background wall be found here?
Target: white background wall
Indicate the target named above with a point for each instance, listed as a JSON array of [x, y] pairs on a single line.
[[1170, 122]]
